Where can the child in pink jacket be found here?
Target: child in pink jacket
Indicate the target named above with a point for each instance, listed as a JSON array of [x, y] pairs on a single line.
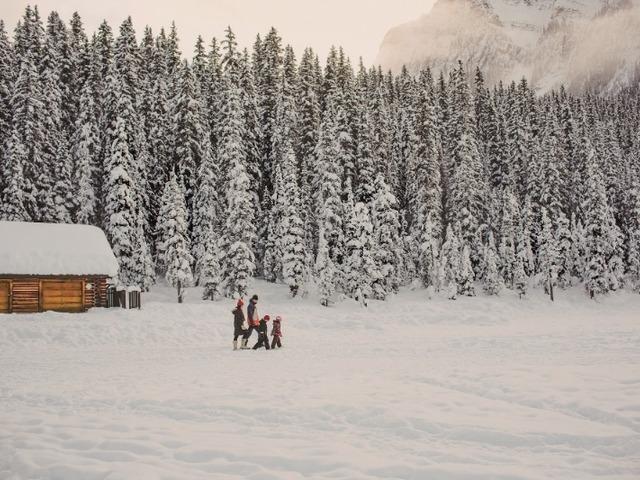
[[276, 332]]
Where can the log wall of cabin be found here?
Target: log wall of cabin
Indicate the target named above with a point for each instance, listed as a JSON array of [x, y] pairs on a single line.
[[25, 294]]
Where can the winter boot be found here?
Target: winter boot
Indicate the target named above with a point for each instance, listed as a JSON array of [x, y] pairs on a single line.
[[235, 344], [244, 344]]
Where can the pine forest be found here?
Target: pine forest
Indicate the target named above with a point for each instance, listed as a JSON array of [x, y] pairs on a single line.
[[219, 165]]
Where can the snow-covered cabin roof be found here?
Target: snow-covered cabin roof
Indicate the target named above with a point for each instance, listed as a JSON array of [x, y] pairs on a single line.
[[54, 249]]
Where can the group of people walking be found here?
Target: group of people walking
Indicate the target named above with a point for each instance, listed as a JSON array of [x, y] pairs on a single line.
[[244, 327]]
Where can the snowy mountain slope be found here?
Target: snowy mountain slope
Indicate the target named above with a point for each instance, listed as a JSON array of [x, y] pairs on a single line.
[[582, 43], [481, 388]]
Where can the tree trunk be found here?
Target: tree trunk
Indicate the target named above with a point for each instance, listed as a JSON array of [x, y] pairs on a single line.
[[179, 291]]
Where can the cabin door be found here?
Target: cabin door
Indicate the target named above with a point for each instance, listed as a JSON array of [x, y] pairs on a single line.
[[24, 295], [63, 295], [5, 296]]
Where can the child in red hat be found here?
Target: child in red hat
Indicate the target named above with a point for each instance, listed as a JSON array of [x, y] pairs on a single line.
[[276, 332]]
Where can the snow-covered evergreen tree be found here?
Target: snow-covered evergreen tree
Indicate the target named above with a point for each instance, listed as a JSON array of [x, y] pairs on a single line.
[[272, 258], [28, 130], [209, 270], [526, 235], [365, 187], [307, 130], [429, 260], [252, 131], [207, 217], [492, 279], [466, 187], [547, 256], [551, 184], [615, 243], [509, 237], [428, 181], [120, 205], [292, 240], [523, 258], [144, 275], [174, 249], [7, 77], [563, 242], [578, 249], [85, 151], [325, 270], [120, 125], [328, 208], [239, 231], [465, 276], [519, 277], [188, 134], [633, 258], [159, 137], [386, 240], [269, 84], [55, 198], [597, 220], [76, 71], [239, 262], [12, 207], [450, 262], [361, 271]]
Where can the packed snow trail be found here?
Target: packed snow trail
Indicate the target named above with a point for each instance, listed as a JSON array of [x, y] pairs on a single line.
[[480, 388]]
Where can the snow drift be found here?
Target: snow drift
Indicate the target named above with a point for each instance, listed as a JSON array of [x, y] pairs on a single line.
[[482, 388]]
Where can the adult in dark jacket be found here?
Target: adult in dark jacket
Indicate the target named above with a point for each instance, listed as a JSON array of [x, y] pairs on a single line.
[[238, 323], [263, 337], [252, 318]]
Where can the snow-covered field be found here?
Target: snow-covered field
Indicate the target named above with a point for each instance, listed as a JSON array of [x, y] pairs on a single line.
[[492, 388]]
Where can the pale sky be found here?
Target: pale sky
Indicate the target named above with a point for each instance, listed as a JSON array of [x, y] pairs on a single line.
[[357, 25]]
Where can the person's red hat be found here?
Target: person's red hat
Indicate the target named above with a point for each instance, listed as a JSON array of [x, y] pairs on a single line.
[[240, 302], [267, 318]]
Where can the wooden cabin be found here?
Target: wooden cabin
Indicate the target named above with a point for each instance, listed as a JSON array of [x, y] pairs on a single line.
[[59, 267]]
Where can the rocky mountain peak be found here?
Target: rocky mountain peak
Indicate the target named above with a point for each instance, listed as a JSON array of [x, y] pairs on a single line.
[[580, 43]]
